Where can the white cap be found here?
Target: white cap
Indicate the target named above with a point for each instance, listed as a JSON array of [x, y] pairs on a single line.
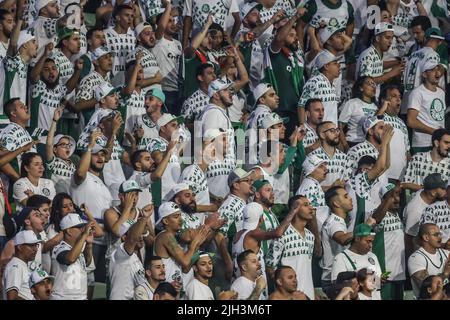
[[103, 113], [182, 186], [124, 227], [38, 276], [99, 52], [72, 220], [311, 163], [166, 118], [24, 37], [71, 140], [236, 175], [428, 65], [26, 237], [218, 85], [323, 58], [42, 3], [326, 33], [103, 90], [212, 134], [260, 90], [252, 213], [370, 122], [97, 148], [271, 119], [245, 8], [129, 186], [385, 189], [141, 27], [165, 210], [383, 27]]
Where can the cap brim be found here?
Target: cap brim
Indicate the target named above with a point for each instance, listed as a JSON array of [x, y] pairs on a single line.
[[114, 90], [135, 189], [435, 36]]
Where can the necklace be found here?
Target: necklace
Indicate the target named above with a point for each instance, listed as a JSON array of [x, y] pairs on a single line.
[[428, 258]]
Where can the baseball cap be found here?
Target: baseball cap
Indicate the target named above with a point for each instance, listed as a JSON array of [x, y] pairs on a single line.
[[363, 230], [165, 210], [434, 33], [141, 27], [218, 85], [428, 65], [323, 58], [260, 90], [246, 8], [129, 186], [97, 148], [166, 118], [65, 32], [236, 175], [156, 145], [212, 134], [385, 189], [26, 237], [311, 163], [383, 27], [99, 52], [72, 142], [38, 276], [175, 189], [104, 89], [326, 33], [252, 212], [273, 119], [42, 3], [24, 37], [201, 254], [434, 181], [258, 184], [158, 93], [370, 122], [72, 220]]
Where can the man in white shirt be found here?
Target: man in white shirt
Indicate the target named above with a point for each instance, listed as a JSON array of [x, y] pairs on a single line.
[[126, 271], [314, 115], [197, 288], [71, 257], [251, 284], [430, 259], [426, 107], [155, 273], [16, 274]]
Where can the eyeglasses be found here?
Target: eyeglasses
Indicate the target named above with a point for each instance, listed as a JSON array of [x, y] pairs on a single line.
[[65, 145], [436, 234], [333, 130]]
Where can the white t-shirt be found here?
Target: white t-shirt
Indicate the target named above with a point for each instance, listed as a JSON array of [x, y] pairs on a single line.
[[347, 260], [244, 287], [168, 53], [145, 197], [399, 147], [126, 272], [439, 214], [431, 107], [195, 290], [16, 277], [376, 295], [45, 187], [412, 214], [70, 280], [423, 260], [353, 111]]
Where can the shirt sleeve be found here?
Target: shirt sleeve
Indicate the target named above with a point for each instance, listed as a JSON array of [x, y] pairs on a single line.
[[13, 278], [309, 91], [338, 266], [121, 254], [19, 189], [140, 294], [416, 262], [187, 10], [346, 112], [234, 7], [336, 227], [415, 100]]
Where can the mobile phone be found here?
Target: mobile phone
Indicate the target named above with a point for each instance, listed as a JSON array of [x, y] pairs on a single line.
[[386, 274]]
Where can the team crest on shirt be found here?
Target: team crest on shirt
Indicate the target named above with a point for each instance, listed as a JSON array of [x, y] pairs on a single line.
[[46, 192], [205, 8], [333, 22], [371, 261], [437, 110]]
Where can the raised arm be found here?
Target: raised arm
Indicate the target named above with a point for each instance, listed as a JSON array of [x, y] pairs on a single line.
[[51, 134], [261, 235], [382, 163], [162, 24], [282, 33], [83, 166], [72, 83], [113, 221], [35, 73], [197, 40], [131, 85], [136, 231], [76, 250], [7, 156]]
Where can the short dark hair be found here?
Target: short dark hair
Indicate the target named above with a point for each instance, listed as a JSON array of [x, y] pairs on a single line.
[[121, 7], [165, 287], [422, 21], [148, 264], [423, 229], [366, 160], [91, 31], [438, 134], [356, 91], [384, 91], [361, 275], [311, 101], [426, 283], [293, 199], [277, 273], [330, 194], [345, 276], [37, 200], [4, 13], [320, 125], [10, 106], [136, 157], [243, 256], [201, 69]]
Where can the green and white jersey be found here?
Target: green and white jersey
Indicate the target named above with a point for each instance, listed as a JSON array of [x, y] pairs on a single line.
[[61, 172], [149, 65], [338, 15], [117, 148], [194, 176], [150, 130], [439, 214], [15, 78], [232, 209], [151, 8], [311, 136], [405, 14], [65, 67], [331, 248], [335, 164], [392, 250], [352, 113], [270, 222], [256, 116], [422, 165], [217, 175], [431, 107], [355, 153], [13, 136], [320, 87], [190, 221], [399, 146], [199, 10], [296, 251], [122, 45], [168, 53], [3, 49], [370, 63], [194, 105], [44, 102], [44, 30], [311, 189], [133, 106]]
